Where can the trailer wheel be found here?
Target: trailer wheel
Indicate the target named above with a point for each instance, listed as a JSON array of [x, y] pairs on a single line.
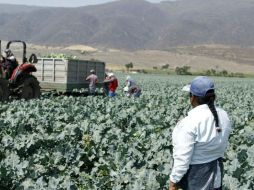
[[4, 90], [30, 88]]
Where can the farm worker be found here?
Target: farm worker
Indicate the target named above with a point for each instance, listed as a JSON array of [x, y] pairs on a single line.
[[112, 84], [134, 90], [131, 88], [130, 82], [9, 63], [106, 85], [200, 140], [93, 79]]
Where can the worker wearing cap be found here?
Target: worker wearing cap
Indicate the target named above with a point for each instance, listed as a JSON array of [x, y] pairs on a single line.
[[131, 88], [200, 140], [130, 82], [93, 79], [112, 84]]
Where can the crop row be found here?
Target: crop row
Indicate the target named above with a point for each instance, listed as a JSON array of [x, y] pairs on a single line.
[[67, 142]]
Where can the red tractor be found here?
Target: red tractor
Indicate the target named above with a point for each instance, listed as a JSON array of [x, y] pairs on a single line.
[[18, 80]]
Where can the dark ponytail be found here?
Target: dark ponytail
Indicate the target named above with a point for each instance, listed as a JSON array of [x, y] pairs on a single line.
[[209, 99]]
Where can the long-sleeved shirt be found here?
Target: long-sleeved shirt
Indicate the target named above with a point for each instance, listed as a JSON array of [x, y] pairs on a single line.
[[196, 140], [130, 82], [112, 83], [93, 79]]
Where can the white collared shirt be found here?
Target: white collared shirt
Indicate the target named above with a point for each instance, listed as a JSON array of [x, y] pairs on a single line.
[[196, 140]]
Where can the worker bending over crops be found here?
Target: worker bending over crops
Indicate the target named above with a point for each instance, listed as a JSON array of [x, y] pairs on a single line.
[[134, 90], [200, 140], [93, 79], [112, 83], [131, 88], [130, 82]]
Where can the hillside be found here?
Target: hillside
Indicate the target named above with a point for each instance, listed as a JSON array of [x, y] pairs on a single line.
[[199, 58], [133, 24]]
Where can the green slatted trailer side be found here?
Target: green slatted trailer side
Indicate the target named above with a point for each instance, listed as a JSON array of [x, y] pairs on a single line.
[[64, 75]]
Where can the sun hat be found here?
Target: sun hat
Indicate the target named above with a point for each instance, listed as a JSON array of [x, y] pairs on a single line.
[[199, 86], [111, 74], [92, 71]]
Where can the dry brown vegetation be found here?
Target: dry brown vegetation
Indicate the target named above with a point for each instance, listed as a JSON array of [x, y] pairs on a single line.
[[199, 58]]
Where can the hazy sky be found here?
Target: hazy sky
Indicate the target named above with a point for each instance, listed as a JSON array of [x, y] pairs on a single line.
[[61, 3]]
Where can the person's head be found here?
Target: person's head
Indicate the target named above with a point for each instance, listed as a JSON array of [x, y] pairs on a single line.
[[111, 75], [201, 91], [201, 88], [7, 53], [128, 77], [92, 71]]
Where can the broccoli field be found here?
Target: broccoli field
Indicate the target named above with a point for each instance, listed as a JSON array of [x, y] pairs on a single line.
[[86, 142]]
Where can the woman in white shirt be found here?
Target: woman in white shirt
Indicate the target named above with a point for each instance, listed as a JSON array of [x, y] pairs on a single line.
[[200, 140]]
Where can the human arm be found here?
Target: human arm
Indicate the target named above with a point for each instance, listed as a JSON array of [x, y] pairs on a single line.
[[108, 80], [183, 142], [128, 83], [88, 78]]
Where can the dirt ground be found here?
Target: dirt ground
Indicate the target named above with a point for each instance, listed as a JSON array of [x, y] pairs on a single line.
[[148, 59], [199, 58]]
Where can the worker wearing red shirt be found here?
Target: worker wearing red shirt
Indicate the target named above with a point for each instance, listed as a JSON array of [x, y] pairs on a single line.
[[112, 84]]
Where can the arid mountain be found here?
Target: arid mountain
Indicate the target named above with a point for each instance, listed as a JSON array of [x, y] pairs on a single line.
[[133, 24]]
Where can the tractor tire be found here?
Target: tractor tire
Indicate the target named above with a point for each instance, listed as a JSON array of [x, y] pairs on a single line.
[[4, 90], [30, 88]]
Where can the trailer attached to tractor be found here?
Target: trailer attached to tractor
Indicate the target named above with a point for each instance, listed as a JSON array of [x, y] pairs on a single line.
[[50, 74]]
